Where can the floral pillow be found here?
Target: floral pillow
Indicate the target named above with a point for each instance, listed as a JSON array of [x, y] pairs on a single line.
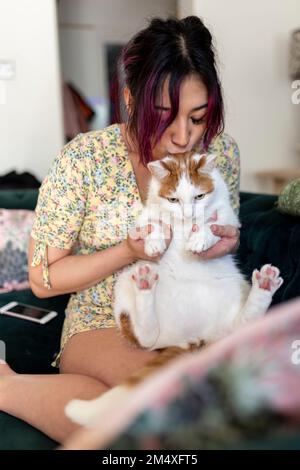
[[15, 228]]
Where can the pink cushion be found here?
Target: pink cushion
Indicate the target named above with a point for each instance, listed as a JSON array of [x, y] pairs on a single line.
[[15, 228]]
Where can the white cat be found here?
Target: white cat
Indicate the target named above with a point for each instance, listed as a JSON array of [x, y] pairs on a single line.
[[181, 300]]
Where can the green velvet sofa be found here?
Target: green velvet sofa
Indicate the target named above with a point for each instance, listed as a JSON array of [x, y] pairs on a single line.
[[267, 236]]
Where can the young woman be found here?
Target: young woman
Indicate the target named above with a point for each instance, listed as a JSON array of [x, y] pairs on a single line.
[[88, 200]]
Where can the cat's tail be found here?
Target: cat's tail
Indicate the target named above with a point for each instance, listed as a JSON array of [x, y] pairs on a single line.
[[88, 413], [165, 356]]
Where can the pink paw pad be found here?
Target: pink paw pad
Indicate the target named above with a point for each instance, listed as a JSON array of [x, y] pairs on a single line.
[[214, 217], [144, 277], [268, 278]]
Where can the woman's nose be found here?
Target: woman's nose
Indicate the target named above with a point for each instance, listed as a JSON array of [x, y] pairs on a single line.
[[180, 134]]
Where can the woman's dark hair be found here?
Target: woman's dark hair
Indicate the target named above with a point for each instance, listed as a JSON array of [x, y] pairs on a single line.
[[168, 48]]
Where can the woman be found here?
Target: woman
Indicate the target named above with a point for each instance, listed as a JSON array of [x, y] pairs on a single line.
[[78, 243]]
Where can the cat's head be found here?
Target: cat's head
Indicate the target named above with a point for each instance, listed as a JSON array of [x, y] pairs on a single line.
[[184, 182]]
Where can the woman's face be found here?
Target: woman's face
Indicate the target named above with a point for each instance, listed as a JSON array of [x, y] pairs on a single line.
[[189, 125]]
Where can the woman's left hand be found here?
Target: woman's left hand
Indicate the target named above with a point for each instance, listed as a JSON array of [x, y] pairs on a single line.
[[229, 243]]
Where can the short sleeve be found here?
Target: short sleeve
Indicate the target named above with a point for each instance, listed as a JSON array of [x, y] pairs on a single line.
[[60, 208], [228, 162]]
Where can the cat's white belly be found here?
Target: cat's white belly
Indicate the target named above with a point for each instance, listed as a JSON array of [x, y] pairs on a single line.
[[187, 314], [193, 300], [190, 303], [189, 310]]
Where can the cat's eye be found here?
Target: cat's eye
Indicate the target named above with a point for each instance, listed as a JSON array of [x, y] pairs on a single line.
[[173, 199], [199, 196]]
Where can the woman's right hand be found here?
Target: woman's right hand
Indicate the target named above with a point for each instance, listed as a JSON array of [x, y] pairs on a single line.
[[135, 241]]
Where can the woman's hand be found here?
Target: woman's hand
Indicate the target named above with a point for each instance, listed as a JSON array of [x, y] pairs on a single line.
[[229, 243], [135, 242]]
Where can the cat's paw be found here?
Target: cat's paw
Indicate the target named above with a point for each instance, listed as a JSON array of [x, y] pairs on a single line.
[[80, 412], [200, 240], [155, 244], [194, 243], [145, 277], [267, 278], [209, 239]]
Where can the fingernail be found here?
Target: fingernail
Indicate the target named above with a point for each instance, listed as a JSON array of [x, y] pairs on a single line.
[[2, 361]]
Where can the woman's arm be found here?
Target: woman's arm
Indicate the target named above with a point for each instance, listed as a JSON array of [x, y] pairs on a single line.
[[72, 273]]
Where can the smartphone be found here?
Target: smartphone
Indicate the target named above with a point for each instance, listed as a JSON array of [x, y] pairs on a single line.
[[28, 312]]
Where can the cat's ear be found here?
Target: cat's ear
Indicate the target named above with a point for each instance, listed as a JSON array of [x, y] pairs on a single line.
[[206, 161], [158, 169]]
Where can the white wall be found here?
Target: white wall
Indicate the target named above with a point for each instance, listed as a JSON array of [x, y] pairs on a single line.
[[252, 40], [31, 129], [86, 25], [253, 44]]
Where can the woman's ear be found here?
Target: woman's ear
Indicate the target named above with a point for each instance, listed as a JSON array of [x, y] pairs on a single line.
[[128, 99]]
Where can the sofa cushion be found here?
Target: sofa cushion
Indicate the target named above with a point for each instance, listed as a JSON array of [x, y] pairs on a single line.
[[15, 228], [31, 347], [19, 198], [268, 236]]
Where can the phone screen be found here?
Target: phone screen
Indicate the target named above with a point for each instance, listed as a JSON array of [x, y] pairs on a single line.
[[28, 311]]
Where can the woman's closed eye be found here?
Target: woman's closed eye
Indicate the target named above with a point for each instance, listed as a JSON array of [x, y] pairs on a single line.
[[199, 121]]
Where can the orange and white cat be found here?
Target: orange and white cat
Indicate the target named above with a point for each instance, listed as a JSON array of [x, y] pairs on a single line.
[[182, 301]]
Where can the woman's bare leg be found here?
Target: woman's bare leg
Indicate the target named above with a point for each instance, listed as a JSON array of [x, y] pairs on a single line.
[[40, 399], [92, 362], [106, 356]]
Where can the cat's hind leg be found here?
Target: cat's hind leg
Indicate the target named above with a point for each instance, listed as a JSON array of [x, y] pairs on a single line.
[[139, 323], [265, 283]]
